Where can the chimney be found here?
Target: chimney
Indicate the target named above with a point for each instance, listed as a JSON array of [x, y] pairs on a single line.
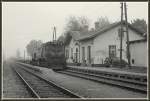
[[97, 25], [86, 28]]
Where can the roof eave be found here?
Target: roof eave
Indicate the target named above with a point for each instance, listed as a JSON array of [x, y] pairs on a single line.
[[97, 33], [136, 41]]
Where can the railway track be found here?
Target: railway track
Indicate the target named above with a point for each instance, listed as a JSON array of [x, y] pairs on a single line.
[[41, 88], [114, 79], [127, 84]]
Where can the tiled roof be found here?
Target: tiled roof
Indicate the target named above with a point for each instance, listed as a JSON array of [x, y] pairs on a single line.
[[104, 29], [78, 35]]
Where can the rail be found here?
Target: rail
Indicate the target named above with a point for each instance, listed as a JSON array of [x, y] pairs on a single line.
[[60, 88], [136, 86]]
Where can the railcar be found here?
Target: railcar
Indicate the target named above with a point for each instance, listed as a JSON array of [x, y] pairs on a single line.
[[50, 55]]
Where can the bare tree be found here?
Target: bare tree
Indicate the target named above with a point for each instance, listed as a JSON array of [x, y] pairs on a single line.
[[140, 24], [84, 22], [72, 24], [77, 23], [102, 22], [32, 46]]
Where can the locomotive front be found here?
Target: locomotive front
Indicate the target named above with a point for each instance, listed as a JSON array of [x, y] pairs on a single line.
[[55, 55]]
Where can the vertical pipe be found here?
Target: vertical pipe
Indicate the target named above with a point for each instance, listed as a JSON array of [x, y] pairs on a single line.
[[121, 32], [127, 32], [55, 33], [24, 55]]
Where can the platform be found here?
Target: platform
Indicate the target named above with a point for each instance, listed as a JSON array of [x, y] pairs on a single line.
[[113, 70]]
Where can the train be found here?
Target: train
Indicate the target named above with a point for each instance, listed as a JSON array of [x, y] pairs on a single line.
[[50, 55]]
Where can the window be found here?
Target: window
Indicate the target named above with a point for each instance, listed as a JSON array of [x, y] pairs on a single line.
[[76, 55], [76, 50], [72, 53], [83, 53], [112, 51], [34, 55], [67, 54], [89, 54]]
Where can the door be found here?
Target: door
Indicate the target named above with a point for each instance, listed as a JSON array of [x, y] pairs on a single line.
[[89, 54], [83, 54], [76, 55]]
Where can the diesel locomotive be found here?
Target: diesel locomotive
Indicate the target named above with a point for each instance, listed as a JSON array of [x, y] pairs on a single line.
[[50, 55]]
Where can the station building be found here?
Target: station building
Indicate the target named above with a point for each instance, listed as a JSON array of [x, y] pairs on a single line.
[[139, 53], [93, 47]]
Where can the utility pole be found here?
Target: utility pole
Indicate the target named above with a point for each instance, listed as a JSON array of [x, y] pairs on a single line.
[[55, 32], [18, 54], [24, 56], [121, 32], [124, 9], [53, 35], [127, 32]]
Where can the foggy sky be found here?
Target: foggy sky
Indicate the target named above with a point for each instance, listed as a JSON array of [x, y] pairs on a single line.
[[24, 21]]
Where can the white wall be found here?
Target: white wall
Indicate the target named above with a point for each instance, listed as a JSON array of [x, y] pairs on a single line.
[[100, 45], [139, 52], [73, 46], [102, 42], [85, 44]]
